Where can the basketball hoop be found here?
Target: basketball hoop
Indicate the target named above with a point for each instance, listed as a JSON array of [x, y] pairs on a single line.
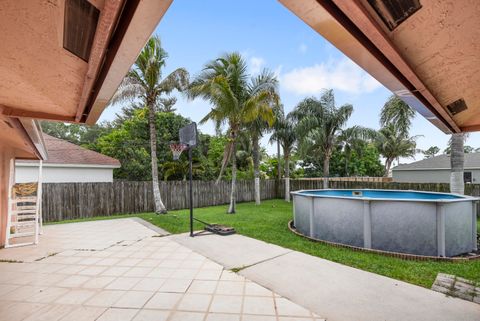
[[177, 149]]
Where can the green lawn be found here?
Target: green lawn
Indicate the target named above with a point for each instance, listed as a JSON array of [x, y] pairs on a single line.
[[268, 222]]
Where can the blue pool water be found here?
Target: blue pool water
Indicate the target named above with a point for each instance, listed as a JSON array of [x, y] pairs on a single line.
[[378, 194]]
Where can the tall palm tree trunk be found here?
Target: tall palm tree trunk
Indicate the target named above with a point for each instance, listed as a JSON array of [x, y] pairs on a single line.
[[233, 192], [256, 169], [287, 177], [457, 155], [279, 170], [326, 171], [388, 164], [159, 207]]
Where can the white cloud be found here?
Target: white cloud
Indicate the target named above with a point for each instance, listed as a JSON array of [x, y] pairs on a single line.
[[303, 48], [341, 75], [278, 71], [256, 64]]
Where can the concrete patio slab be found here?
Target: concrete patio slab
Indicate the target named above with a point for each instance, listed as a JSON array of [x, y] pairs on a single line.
[[86, 236], [118, 270], [336, 291], [226, 250]]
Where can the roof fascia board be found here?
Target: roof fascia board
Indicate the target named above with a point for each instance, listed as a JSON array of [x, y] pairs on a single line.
[[136, 24], [36, 164]]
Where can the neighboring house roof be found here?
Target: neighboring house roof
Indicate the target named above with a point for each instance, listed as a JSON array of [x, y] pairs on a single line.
[[472, 161], [62, 152]]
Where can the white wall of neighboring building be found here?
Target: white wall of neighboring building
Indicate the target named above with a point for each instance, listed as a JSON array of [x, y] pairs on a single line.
[[63, 173], [430, 176]]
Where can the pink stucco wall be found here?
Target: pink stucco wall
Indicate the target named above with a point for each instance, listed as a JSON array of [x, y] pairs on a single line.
[[6, 157]]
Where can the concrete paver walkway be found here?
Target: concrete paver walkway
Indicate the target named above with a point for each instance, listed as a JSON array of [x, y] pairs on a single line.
[[335, 291], [119, 270]]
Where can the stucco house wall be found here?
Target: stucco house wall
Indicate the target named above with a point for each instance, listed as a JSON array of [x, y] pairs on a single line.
[[63, 173], [435, 170], [429, 176]]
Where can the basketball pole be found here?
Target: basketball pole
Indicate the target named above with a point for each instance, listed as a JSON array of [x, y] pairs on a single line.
[[191, 189]]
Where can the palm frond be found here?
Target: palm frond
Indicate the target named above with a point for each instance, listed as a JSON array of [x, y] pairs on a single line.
[[178, 79]]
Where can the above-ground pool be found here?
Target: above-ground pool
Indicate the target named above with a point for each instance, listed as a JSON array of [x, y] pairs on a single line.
[[420, 223]]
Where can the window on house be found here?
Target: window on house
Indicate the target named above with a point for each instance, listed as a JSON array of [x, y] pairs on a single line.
[[467, 177]]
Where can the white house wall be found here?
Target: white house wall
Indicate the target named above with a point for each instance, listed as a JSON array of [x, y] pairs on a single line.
[[429, 176], [25, 174]]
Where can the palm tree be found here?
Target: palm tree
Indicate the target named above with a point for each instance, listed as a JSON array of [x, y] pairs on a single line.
[[181, 167], [259, 126], [279, 115], [353, 139], [319, 126], [457, 155], [396, 111], [392, 144], [286, 135], [144, 82], [236, 100], [166, 104]]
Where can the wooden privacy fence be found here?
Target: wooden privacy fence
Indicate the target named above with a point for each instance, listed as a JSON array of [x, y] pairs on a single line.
[[63, 201]]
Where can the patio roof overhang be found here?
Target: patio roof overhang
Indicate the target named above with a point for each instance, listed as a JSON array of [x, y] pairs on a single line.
[[63, 59], [424, 51], [23, 136]]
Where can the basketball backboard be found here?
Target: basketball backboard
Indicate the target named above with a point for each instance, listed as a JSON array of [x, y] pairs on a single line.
[[188, 135]]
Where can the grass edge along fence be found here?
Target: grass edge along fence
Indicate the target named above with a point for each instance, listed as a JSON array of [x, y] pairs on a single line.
[[67, 201]]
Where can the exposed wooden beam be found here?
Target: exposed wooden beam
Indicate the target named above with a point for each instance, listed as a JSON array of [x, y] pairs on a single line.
[[474, 128]]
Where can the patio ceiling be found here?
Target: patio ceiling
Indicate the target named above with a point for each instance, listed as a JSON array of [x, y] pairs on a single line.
[[49, 66], [424, 51]]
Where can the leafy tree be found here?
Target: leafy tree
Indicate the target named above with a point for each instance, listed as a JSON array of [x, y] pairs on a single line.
[[216, 149], [392, 144], [432, 151], [180, 169], [352, 141], [130, 143], [82, 135], [144, 82], [319, 125], [285, 134], [364, 160], [236, 100], [468, 149], [397, 112]]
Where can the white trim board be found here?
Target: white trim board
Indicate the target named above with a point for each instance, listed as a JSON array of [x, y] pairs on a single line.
[[35, 164]]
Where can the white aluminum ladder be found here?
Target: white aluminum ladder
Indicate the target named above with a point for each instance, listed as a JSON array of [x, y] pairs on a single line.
[[24, 214]]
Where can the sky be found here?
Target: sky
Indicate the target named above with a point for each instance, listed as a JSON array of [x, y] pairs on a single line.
[[268, 35]]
